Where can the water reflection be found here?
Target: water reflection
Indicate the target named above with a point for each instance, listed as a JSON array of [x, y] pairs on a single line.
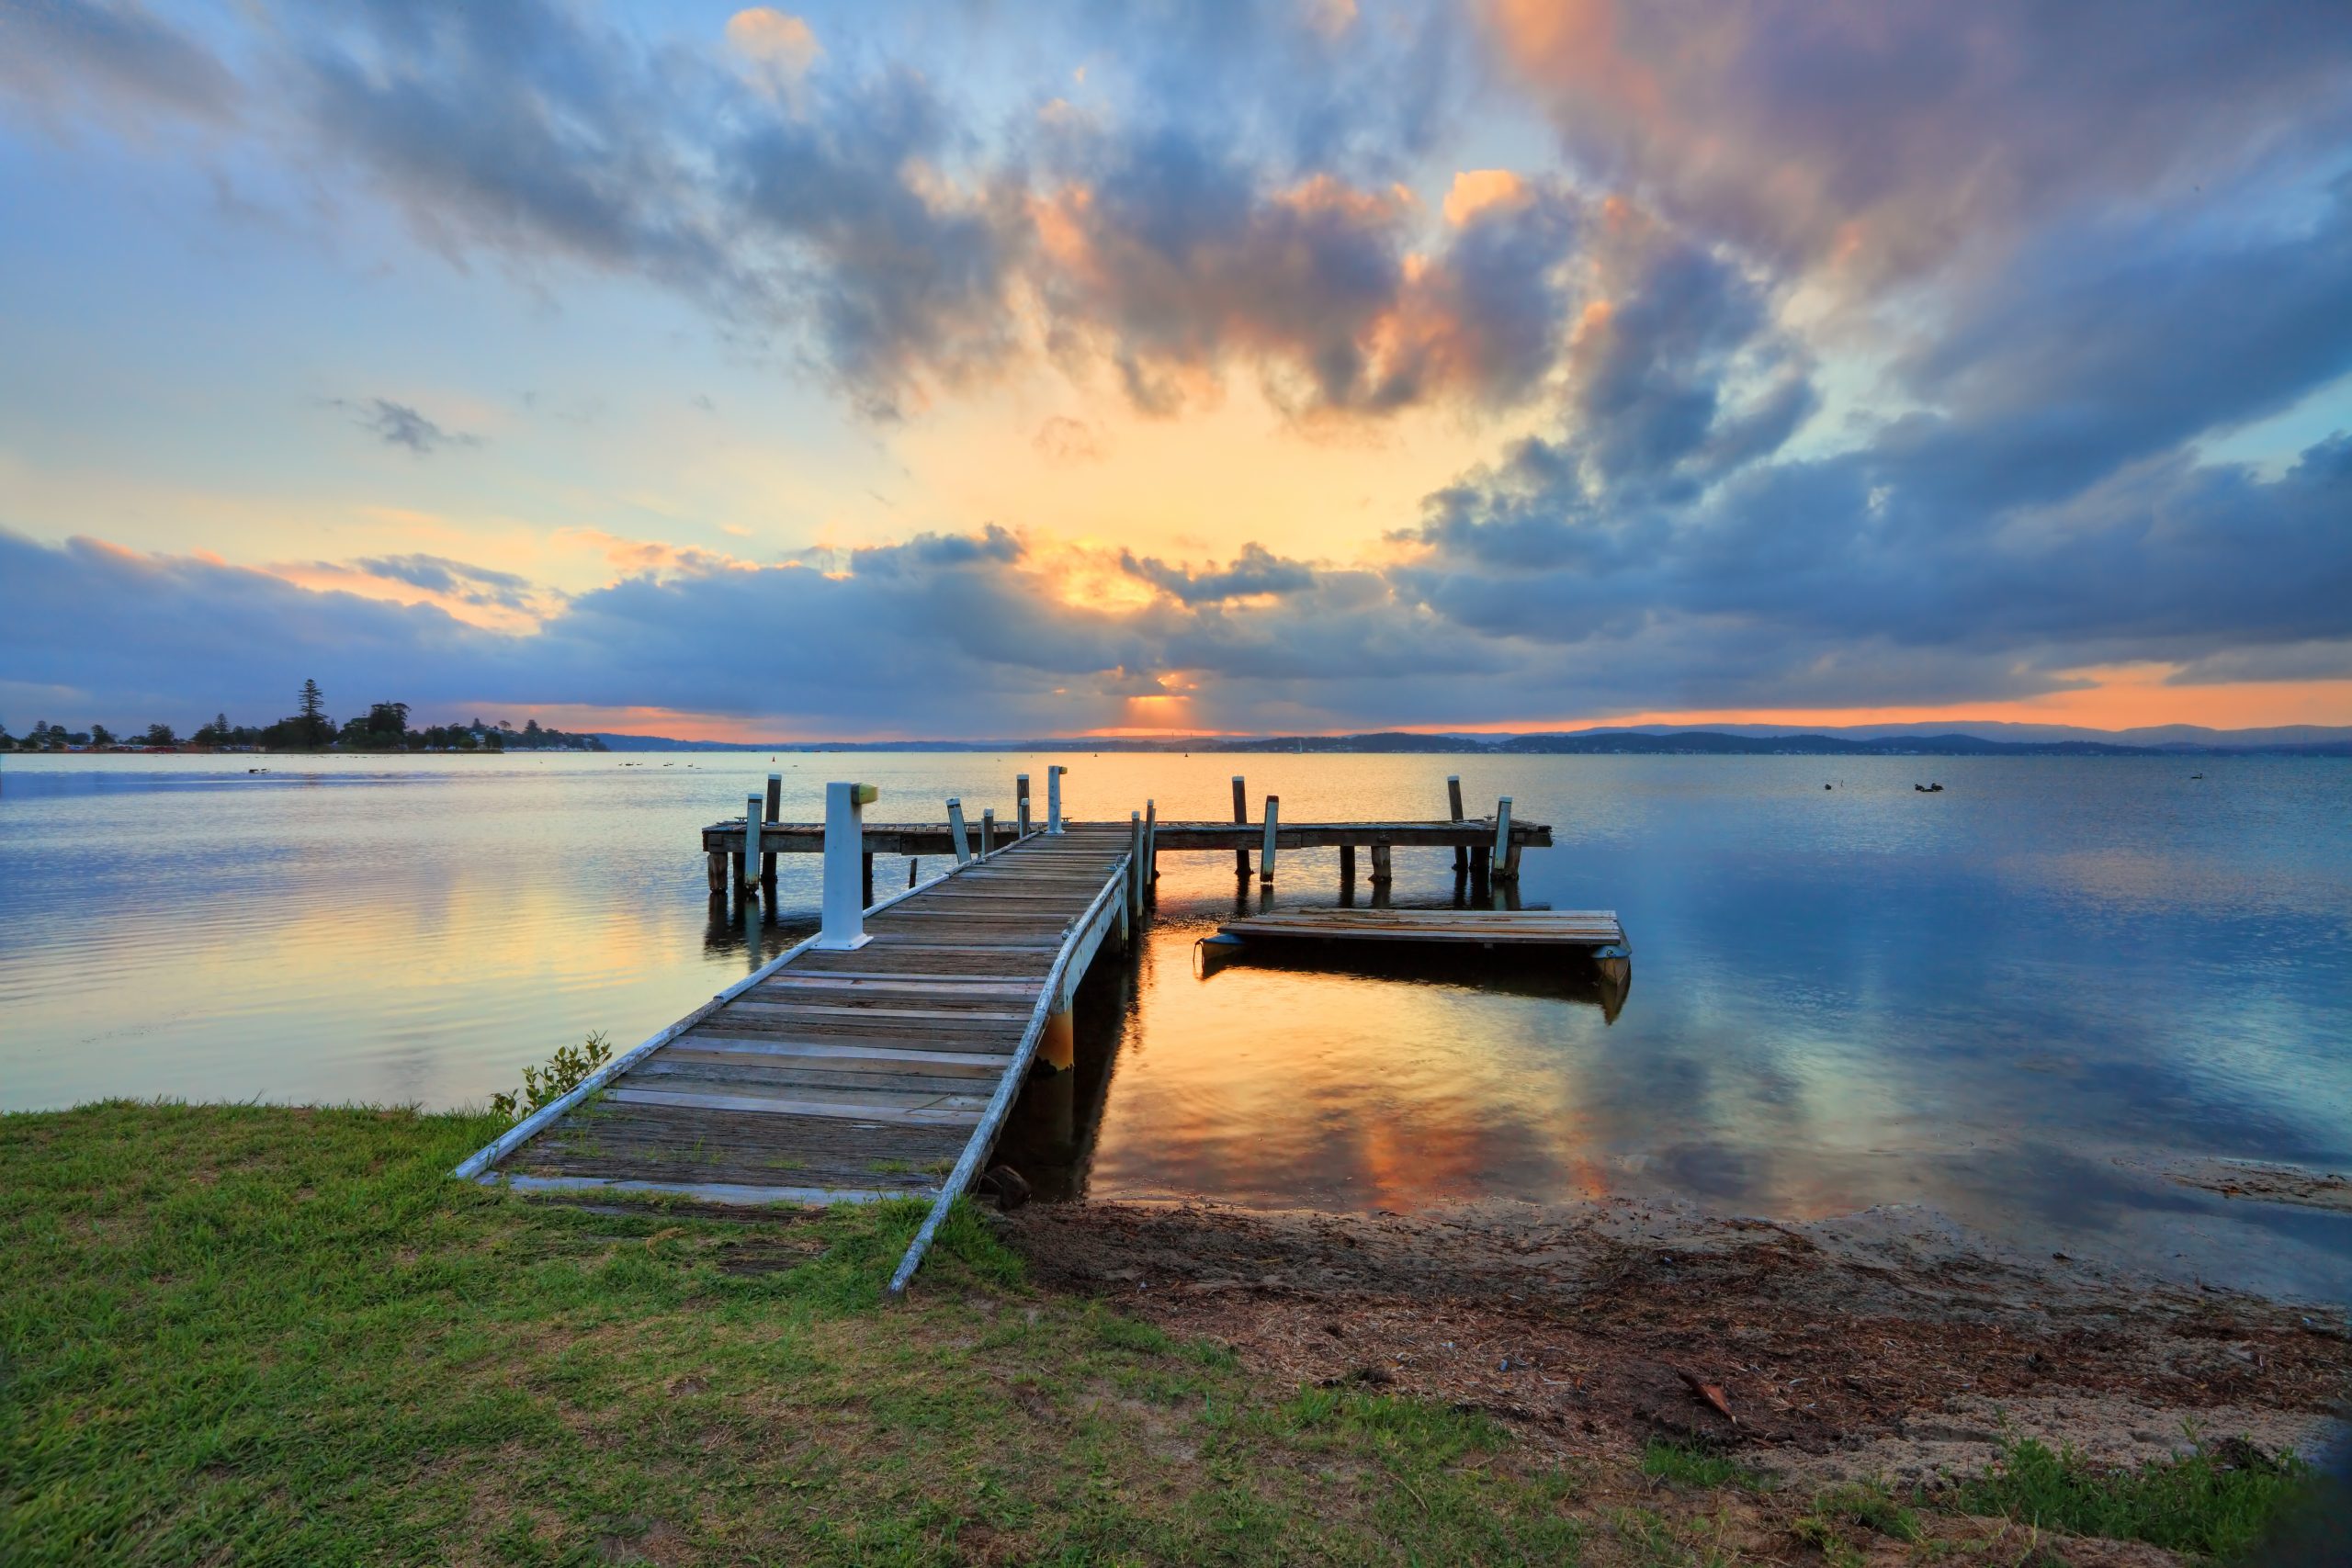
[[2003, 1001]]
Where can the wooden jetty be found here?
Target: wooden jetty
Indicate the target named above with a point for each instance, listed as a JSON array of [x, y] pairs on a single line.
[[1485, 847], [879, 1057], [876, 1059]]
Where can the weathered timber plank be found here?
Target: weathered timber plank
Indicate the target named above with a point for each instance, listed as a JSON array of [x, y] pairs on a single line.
[[826, 1080], [767, 1135], [938, 1116], [847, 1058], [729, 1194], [871, 1031], [877, 1010]]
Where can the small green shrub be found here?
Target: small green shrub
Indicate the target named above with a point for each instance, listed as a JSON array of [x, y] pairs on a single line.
[[565, 1071]]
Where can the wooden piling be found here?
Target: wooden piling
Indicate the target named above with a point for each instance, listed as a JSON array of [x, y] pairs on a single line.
[[1505, 863], [1135, 864], [1347, 865], [912, 863], [1266, 850], [1150, 843], [1453, 804], [1021, 805], [752, 837], [955, 831], [774, 813], [987, 830], [1240, 820], [718, 859], [1381, 874]]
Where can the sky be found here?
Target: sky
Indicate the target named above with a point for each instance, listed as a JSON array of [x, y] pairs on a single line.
[[978, 369]]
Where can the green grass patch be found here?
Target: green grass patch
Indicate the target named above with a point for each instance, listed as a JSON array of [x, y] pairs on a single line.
[[2217, 1501], [1686, 1465], [271, 1336]]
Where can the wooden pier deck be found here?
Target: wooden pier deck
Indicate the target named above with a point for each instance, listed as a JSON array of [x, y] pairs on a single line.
[[828, 1076]]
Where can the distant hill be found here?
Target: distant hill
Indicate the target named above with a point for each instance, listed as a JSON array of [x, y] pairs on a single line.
[[1730, 740]]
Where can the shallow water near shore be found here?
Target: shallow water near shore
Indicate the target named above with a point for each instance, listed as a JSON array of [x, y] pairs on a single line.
[[2014, 1001]]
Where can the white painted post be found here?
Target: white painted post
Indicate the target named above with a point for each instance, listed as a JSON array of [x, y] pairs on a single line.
[[1054, 797], [751, 839], [1502, 832], [844, 928], [1021, 805], [956, 829], [1266, 853], [987, 833]]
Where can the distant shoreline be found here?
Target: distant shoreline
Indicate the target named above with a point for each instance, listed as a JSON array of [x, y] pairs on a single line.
[[1600, 743]]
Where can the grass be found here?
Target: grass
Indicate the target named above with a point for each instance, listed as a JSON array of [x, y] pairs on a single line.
[[2217, 1501], [1685, 1465], [285, 1336], [269, 1335]]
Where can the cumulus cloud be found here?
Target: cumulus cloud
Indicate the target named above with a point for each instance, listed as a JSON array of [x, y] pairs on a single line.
[[1256, 571], [451, 579], [1850, 353], [1889, 139]]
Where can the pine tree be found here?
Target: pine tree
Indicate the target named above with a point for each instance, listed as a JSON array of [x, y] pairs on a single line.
[[316, 729]]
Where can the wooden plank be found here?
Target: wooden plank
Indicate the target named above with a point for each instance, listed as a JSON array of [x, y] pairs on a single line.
[[872, 1032], [732, 1194], [835, 1050], [838, 1059], [879, 1010], [926, 1115], [717, 1073], [870, 985]]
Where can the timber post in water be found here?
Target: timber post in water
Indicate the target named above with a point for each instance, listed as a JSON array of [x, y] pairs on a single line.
[[987, 831], [1021, 805], [955, 831], [774, 813], [1454, 807], [748, 863], [1505, 861], [1240, 820], [1266, 854]]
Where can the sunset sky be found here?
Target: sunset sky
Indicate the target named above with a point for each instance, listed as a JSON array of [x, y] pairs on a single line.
[[993, 369]]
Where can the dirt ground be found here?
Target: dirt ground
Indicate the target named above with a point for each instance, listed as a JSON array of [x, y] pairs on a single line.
[[1886, 1344]]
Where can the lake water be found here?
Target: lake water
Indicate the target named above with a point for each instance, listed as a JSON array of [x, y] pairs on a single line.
[[2007, 1001]]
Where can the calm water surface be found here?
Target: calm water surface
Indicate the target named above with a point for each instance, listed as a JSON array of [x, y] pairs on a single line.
[[2005, 1000]]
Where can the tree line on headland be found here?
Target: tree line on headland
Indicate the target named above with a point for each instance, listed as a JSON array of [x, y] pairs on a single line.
[[384, 728]]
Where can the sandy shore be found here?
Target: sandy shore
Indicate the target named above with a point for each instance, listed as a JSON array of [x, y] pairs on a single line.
[[1888, 1343]]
